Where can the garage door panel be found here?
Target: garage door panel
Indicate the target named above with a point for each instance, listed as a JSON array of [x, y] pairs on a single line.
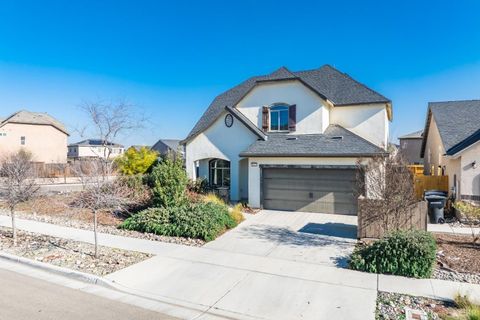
[[310, 190], [305, 195], [299, 186]]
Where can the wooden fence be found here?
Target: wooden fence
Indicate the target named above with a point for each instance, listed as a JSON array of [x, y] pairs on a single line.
[[372, 225], [416, 169], [52, 170], [422, 183]]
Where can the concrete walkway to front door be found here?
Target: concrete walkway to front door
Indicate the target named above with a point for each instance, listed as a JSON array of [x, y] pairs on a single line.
[[317, 238]]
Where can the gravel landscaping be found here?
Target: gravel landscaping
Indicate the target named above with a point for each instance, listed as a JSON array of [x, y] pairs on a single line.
[[458, 258], [394, 306], [68, 253]]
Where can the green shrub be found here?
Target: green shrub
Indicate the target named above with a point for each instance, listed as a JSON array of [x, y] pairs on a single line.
[[168, 181], [403, 253], [204, 221]]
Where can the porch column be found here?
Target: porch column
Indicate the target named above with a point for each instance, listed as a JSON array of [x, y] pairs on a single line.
[[235, 179]]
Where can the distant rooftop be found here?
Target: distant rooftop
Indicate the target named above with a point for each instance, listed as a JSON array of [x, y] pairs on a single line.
[[96, 143], [413, 135], [28, 117]]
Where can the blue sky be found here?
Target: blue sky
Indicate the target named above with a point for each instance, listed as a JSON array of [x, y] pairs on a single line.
[[170, 59]]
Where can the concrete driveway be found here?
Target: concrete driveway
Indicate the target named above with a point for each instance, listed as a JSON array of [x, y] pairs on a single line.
[[275, 265], [317, 238]]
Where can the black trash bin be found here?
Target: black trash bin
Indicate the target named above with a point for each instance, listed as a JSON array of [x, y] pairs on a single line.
[[436, 204]]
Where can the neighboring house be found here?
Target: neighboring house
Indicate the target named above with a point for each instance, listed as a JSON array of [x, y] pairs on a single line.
[[138, 147], [39, 133], [94, 148], [411, 146], [451, 145], [290, 140], [169, 147]]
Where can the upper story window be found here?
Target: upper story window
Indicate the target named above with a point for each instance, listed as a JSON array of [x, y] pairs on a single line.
[[22, 140], [279, 118]]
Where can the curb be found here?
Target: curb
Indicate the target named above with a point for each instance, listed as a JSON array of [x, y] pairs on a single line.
[[72, 274], [97, 280]]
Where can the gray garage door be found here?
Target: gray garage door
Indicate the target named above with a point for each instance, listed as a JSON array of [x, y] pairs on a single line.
[[310, 190]]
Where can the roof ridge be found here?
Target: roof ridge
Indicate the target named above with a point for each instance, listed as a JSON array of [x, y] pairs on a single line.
[[448, 101], [356, 81]]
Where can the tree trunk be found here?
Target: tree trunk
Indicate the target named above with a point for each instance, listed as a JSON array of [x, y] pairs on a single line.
[[14, 228], [95, 232]]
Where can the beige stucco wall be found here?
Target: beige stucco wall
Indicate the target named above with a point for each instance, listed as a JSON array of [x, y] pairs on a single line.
[[470, 176], [434, 150], [46, 143]]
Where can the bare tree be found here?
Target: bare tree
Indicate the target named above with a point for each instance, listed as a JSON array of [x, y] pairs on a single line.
[[100, 194], [387, 184], [107, 121], [18, 182]]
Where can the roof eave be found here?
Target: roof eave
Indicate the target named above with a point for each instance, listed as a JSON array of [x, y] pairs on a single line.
[[312, 155]]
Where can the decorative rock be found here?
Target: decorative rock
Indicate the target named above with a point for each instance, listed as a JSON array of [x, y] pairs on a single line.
[[68, 253]]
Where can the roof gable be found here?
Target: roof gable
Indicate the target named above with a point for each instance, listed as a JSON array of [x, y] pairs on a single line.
[[331, 84], [171, 144], [34, 118], [457, 122]]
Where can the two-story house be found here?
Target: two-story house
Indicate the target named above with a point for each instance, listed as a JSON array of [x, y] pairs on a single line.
[[39, 133], [290, 140]]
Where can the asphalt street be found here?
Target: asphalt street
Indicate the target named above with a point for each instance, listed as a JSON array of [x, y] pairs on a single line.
[[26, 298]]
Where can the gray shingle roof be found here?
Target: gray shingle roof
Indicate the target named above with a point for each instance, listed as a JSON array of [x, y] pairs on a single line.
[[28, 117], [170, 143], [328, 82], [456, 122], [412, 135], [335, 142]]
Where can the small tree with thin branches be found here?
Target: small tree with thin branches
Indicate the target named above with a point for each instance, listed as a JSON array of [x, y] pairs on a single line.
[[18, 182], [100, 194], [107, 122], [388, 186]]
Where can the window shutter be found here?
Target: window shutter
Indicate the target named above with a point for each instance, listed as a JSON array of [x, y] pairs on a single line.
[[292, 117], [265, 119]]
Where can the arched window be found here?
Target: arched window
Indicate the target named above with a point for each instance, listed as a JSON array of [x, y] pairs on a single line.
[[219, 173], [279, 118]]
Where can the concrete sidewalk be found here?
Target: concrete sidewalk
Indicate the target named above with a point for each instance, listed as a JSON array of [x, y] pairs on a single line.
[[219, 283], [446, 228]]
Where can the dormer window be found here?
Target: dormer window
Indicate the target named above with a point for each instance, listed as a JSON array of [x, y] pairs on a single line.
[[279, 118]]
